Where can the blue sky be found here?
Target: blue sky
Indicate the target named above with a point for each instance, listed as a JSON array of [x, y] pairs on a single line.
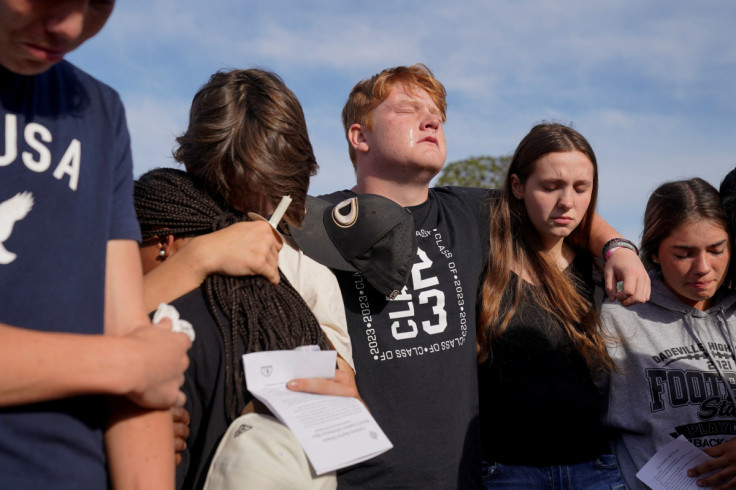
[[652, 85]]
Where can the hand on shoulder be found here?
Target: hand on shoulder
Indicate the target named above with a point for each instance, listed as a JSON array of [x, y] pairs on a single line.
[[247, 248], [626, 279]]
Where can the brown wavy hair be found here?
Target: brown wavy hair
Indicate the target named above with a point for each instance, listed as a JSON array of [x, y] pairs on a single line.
[[515, 241], [247, 134], [369, 93]]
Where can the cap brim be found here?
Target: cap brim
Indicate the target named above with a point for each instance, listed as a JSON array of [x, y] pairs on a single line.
[[313, 239]]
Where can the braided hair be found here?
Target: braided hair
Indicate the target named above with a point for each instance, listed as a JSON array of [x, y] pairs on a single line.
[[263, 316]]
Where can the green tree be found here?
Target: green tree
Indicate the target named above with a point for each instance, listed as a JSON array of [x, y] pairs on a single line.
[[482, 171]]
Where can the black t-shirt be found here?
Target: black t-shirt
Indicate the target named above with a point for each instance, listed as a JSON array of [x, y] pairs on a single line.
[[415, 355], [205, 389], [538, 403]]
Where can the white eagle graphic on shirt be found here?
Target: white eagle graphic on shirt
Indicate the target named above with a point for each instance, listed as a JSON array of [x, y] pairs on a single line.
[[14, 209]]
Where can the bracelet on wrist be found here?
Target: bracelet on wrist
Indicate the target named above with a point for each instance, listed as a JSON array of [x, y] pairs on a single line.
[[610, 252], [615, 243]]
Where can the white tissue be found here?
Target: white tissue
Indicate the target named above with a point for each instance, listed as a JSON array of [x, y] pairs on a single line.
[[168, 311]]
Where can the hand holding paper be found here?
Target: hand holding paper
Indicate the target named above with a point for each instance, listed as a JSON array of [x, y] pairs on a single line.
[[720, 470], [334, 431], [667, 469]]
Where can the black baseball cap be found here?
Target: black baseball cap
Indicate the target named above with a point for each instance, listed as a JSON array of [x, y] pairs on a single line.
[[366, 233]]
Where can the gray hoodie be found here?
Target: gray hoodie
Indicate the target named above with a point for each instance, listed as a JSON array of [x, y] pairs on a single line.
[[677, 375]]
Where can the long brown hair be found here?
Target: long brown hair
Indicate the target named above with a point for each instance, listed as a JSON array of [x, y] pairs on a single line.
[[515, 241]]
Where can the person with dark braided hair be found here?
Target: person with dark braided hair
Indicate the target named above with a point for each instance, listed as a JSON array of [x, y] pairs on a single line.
[[246, 146]]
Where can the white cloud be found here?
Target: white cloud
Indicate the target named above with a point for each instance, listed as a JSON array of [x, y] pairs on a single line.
[[649, 83], [154, 125]]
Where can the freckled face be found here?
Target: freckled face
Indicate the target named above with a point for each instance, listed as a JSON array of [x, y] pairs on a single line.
[[36, 34], [407, 133], [556, 194], [694, 260]]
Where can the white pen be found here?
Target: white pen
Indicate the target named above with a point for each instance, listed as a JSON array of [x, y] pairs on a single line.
[[280, 210]]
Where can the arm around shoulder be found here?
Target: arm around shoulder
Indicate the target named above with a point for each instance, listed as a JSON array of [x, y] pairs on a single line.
[[241, 249], [622, 266]]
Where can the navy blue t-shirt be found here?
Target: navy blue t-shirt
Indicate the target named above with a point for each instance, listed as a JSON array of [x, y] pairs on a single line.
[[66, 188]]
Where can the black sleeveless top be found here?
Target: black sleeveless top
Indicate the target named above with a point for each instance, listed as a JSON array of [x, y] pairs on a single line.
[[538, 403]]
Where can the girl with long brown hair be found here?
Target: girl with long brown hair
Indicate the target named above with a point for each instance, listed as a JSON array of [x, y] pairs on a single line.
[[538, 336]]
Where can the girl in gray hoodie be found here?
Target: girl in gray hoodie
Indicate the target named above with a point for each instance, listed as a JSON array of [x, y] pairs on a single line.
[[675, 354]]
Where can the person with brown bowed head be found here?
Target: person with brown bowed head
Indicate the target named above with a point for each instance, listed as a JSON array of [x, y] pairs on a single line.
[[246, 146]]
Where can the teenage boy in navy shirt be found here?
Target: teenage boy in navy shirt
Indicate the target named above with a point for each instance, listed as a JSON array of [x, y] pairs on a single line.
[[72, 323]]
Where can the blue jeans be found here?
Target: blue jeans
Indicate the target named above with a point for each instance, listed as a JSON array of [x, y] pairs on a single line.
[[599, 474]]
